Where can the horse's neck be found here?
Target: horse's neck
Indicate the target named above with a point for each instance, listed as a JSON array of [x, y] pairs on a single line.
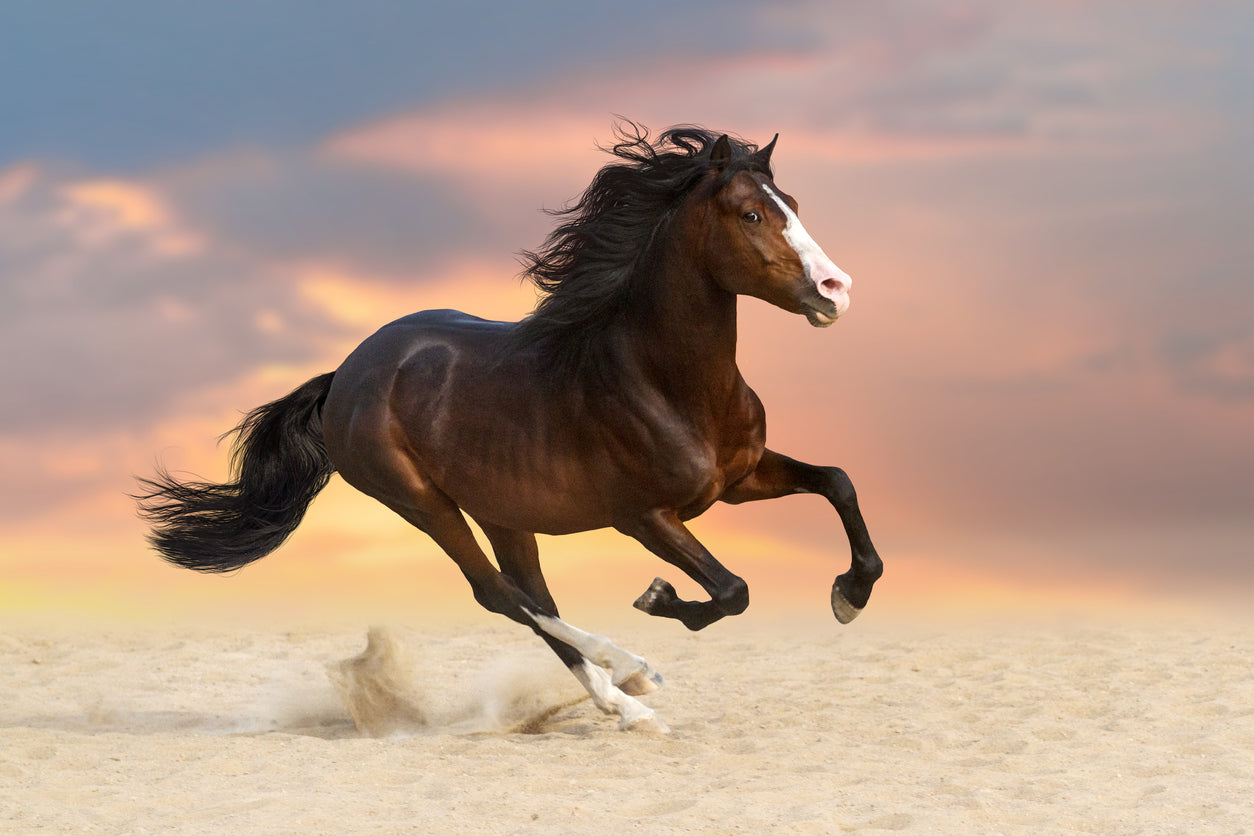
[[687, 337]]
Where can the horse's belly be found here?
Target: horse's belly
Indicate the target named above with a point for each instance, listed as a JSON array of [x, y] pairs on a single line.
[[514, 490], [558, 472], [562, 479]]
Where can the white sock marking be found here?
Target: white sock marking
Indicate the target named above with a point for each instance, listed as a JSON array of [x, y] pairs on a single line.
[[597, 649], [609, 699], [599, 655]]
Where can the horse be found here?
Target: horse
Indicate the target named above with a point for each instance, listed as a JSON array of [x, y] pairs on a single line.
[[617, 403]]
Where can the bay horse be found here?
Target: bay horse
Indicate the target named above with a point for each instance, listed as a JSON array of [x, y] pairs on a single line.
[[616, 403]]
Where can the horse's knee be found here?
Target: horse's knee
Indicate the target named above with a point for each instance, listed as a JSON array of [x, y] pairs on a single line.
[[733, 599], [840, 488]]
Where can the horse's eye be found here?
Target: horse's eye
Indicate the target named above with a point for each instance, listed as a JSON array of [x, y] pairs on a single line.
[[751, 217]]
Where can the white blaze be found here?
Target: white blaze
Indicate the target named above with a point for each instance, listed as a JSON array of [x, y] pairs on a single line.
[[832, 282]]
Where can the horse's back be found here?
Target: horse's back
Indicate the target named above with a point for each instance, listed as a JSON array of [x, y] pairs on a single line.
[[396, 344], [448, 319]]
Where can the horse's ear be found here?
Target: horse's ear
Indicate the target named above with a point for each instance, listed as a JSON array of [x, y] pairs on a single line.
[[720, 154], [762, 157]]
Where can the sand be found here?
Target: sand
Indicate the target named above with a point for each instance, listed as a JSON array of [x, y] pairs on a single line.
[[802, 728]]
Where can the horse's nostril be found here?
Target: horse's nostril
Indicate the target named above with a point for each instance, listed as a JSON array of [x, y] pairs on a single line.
[[832, 286]]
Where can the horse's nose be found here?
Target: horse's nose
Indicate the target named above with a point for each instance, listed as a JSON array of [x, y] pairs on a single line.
[[835, 285]]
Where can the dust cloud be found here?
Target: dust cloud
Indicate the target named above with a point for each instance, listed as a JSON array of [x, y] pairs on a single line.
[[388, 690]]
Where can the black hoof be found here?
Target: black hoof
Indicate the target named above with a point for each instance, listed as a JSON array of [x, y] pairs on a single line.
[[848, 598], [658, 598]]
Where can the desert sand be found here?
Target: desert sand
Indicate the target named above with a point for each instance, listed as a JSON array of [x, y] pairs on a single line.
[[798, 727]]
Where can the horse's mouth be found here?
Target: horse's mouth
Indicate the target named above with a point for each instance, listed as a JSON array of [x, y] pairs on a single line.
[[821, 317], [818, 309]]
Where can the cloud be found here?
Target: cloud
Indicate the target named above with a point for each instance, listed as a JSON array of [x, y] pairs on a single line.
[[124, 294], [308, 207], [1217, 364], [849, 83], [115, 307]]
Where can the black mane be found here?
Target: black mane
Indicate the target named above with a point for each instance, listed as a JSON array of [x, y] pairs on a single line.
[[588, 266]]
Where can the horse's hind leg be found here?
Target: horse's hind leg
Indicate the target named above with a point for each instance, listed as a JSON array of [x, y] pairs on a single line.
[[519, 558], [440, 518]]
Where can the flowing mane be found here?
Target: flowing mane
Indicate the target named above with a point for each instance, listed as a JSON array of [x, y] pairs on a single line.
[[588, 266]]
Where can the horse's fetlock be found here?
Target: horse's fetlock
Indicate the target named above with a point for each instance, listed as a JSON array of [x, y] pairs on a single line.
[[734, 598], [871, 567]]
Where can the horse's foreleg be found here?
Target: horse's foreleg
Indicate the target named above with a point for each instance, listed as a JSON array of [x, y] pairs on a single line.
[[777, 475], [665, 535]]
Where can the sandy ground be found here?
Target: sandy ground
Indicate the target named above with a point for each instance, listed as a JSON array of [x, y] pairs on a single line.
[[1120, 728]]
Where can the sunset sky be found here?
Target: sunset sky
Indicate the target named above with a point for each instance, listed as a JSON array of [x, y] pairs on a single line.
[[1044, 388]]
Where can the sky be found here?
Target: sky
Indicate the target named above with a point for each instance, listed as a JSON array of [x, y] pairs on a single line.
[[1044, 388]]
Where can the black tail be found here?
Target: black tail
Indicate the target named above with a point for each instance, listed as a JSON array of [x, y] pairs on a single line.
[[279, 462]]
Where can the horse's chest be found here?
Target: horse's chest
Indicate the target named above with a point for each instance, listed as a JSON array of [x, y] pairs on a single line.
[[728, 454]]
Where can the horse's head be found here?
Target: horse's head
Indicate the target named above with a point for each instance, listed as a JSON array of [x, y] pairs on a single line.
[[757, 245]]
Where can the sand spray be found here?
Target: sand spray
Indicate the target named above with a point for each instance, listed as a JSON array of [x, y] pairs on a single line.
[[387, 690]]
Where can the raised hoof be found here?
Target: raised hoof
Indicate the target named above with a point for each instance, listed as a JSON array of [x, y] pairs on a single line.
[[640, 683], [645, 723], [656, 597], [841, 608]]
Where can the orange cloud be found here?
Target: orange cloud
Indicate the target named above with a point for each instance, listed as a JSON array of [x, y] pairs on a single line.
[[102, 210], [17, 181], [483, 287], [485, 139]]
